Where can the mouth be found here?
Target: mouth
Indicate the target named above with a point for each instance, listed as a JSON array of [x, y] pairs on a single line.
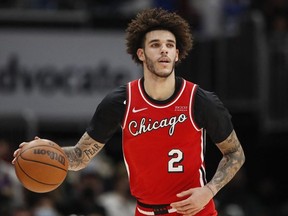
[[164, 60]]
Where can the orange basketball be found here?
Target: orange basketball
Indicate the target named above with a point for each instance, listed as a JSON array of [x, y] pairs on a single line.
[[41, 166]]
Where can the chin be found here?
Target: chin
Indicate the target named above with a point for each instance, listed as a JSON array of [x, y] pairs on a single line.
[[164, 74]]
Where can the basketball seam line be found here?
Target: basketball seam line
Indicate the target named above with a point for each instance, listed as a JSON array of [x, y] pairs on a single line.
[[35, 179]]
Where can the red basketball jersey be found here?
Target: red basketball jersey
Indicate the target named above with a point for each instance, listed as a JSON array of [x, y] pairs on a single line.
[[162, 146]]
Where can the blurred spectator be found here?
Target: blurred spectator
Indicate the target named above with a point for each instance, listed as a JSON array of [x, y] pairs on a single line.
[[234, 11], [210, 17], [170, 5], [183, 7], [277, 34], [268, 191], [45, 206], [119, 201], [238, 200], [233, 210], [273, 10], [131, 7], [187, 10], [84, 195], [11, 191], [220, 17], [21, 211]]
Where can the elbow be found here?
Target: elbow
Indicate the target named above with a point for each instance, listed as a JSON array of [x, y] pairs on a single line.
[[72, 168], [242, 157]]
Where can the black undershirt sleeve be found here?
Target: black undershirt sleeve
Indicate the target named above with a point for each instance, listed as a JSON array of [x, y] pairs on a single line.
[[212, 115], [108, 115], [208, 111]]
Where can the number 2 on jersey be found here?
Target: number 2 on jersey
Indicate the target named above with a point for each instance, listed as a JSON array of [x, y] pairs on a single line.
[[176, 157]]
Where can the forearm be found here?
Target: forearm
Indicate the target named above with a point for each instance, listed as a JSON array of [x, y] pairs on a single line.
[[81, 154], [232, 161]]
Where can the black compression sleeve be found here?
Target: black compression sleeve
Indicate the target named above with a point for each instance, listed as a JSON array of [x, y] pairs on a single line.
[[108, 115], [211, 114]]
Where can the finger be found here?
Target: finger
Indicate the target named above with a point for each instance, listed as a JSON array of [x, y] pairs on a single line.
[[13, 161], [37, 138], [182, 202], [183, 211], [22, 144], [15, 154], [184, 193], [181, 205]]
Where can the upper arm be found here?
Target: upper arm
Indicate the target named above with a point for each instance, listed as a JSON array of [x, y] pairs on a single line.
[[108, 115], [211, 114]]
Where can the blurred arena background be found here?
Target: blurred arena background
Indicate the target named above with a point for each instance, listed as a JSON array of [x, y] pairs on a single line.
[[58, 58]]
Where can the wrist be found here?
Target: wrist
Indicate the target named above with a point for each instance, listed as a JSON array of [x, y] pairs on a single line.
[[211, 189]]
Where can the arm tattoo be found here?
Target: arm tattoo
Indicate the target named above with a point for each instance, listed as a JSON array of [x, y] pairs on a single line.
[[232, 161], [81, 154]]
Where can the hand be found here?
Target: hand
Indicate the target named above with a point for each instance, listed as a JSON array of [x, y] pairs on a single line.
[[196, 201], [17, 151]]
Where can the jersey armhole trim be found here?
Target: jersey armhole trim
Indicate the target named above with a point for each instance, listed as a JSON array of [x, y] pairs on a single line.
[[128, 103], [191, 107]]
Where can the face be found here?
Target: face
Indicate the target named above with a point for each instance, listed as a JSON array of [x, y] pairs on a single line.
[[159, 54]]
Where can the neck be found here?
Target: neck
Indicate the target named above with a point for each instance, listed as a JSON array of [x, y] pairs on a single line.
[[159, 88]]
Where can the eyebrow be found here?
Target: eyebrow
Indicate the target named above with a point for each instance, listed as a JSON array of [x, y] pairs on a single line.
[[157, 40]]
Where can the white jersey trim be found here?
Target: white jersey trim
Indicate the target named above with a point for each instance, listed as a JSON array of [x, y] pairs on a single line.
[[160, 107], [128, 104], [172, 210], [190, 108]]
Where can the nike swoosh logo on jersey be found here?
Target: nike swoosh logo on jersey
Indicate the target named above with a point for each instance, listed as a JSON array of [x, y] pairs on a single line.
[[134, 110]]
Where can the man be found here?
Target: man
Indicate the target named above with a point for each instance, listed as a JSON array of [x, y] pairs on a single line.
[[164, 119], [11, 193]]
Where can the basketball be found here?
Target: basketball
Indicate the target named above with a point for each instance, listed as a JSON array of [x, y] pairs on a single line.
[[41, 166]]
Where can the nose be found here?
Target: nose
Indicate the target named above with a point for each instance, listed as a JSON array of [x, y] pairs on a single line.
[[164, 49]]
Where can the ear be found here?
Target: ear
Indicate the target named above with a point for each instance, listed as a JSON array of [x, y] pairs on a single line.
[[177, 55], [140, 54]]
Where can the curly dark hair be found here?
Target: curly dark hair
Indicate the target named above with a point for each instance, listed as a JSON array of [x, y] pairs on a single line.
[[158, 19]]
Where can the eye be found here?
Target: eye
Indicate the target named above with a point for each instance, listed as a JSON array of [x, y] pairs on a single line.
[[170, 45], [155, 45]]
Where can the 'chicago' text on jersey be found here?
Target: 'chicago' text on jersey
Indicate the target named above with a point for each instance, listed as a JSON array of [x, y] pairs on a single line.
[[147, 124]]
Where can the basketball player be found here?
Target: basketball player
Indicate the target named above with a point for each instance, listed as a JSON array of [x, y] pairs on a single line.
[[164, 119]]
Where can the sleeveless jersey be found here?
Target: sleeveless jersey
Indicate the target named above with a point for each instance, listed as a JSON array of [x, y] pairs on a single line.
[[163, 148]]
